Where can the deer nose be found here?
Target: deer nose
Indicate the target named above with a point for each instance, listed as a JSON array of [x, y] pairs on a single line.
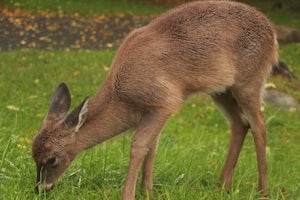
[[43, 187]]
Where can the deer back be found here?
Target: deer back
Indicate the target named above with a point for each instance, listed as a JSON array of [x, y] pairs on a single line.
[[200, 46]]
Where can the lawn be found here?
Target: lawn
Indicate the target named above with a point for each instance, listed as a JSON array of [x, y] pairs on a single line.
[[83, 7], [192, 147]]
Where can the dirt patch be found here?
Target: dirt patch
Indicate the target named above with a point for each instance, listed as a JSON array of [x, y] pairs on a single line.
[[20, 30]]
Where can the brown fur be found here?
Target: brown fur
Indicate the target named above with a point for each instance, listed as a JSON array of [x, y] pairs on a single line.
[[222, 48]]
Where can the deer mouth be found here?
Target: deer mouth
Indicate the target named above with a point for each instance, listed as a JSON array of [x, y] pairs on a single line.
[[43, 187]]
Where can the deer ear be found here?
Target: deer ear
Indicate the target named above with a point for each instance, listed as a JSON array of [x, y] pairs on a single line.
[[60, 103], [78, 116]]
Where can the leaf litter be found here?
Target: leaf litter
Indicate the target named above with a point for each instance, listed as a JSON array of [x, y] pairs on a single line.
[[45, 30]]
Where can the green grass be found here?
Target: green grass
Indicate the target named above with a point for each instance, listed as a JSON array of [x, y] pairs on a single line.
[[84, 7], [191, 152], [279, 16], [192, 147]]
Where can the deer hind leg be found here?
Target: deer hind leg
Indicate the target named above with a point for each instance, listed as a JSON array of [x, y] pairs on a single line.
[[142, 149], [249, 98], [239, 127]]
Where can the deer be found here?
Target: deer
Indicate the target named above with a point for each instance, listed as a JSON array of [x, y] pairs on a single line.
[[222, 48]]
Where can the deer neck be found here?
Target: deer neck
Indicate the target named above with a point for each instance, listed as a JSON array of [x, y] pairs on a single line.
[[107, 117]]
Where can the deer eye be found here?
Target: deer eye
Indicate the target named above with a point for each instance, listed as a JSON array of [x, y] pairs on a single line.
[[51, 161]]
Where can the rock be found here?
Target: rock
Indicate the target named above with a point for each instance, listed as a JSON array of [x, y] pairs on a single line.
[[286, 35], [280, 99]]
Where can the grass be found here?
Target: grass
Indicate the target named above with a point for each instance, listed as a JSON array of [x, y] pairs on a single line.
[[279, 16], [192, 147], [83, 7]]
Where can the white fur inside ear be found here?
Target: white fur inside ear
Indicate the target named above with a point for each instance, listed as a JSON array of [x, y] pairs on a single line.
[[82, 116]]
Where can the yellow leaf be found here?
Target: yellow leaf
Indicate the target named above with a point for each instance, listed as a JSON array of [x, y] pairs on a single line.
[[45, 38], [109, 45], [93, 38], [28, 141], [107, 192], [76, 73], [32, 45], [292, 109], [270, 85], [83, 38], [14, 108], [105, 68], [25, 140], [40, 115], [32, 97]]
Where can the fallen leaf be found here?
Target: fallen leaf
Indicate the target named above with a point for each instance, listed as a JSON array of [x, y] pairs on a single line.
[[292, 109], [40, 115], [45, 38], [83, 38], [93, 38], [270, 85], [32, 44], [32, 97], [13, 108], [107, 192], [109, 45], [105, 68], [76, 73], [25, 140], [21, 146]]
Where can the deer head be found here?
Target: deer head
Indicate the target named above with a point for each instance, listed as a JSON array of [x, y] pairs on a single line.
[[53, 148]]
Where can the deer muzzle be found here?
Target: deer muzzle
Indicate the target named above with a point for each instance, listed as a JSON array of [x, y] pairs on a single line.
[[43, 187]]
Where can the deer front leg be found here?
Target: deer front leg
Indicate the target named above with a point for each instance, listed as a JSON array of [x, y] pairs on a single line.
[[148, 166], [142, 143], [137, 154]]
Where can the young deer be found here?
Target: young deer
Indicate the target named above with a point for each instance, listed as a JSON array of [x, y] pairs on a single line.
[[225, 49]]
